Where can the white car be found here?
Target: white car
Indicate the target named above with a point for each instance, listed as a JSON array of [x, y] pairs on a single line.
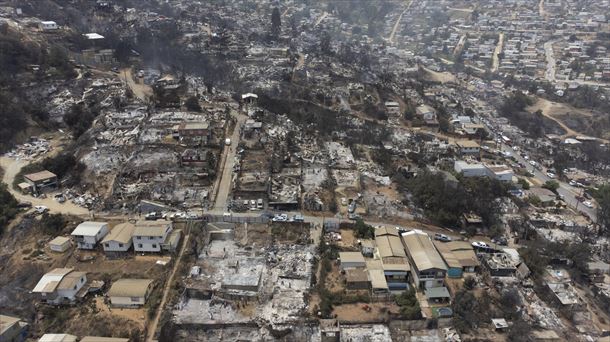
[[40, 209], [588, 204], [550, 175], [480, 244], [572, 183], [532, 163]]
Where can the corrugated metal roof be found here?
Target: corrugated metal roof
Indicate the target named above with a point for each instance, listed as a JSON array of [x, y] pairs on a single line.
[[422, 251], [390, 246], [88, 228], [121, 233], [351, 257], [70, 280], [60, 240], [57, 338], [129, 288], [55, 275], [151, 228], [386, 231], [377, 279]]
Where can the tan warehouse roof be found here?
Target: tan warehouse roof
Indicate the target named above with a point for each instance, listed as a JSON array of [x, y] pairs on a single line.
[[377, 279], [130, 288], [121, 233], [351, 257], [422, 251], [390, 246], [103, 339]]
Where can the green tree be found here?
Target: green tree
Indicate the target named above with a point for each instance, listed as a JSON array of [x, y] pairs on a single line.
[[525, 185], [551, 185], [52, 223], [469, 283], [602, 195], [409, 305], [363, 230], [8, 207]]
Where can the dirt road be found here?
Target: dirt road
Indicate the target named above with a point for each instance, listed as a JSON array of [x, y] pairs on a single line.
[[553, 109], [152, 327], [395, 28], [141, 91], [12, 167]]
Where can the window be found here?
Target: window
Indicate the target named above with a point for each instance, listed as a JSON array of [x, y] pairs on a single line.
[[154, 245], [75, 287], [121, 245], [135, 299], [139, 237], [82, 280], [150, 238], [107, 245], [139, 245]]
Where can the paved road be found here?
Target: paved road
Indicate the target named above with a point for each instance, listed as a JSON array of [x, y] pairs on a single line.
[[12, 167], [568, 192], [229, 152]]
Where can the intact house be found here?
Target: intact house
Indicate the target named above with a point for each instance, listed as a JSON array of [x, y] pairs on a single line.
[[468, 147], [39, 181], [459, 257], [155, 236], [351, 260], [428, 268], [392, 258], [88, 234], [130, 292], [428, 114], [119, 240], [62, 286], [194, 132], [12, 329], [501, 172]]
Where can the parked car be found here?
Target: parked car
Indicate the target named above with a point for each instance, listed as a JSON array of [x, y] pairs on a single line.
[[152, 216], [550, 175], [442, 237], [480, 244], [41, 209], [588, 204]]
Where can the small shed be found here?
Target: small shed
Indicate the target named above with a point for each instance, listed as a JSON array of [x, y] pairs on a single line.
[[499, 324], [438, 294], [356, 279], [60, 244], [351, 260], [130, 292]]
